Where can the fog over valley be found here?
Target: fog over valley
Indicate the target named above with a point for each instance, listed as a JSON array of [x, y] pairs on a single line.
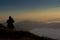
[[47, 29]]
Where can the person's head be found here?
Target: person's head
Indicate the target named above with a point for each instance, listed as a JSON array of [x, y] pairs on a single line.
[[10, 17]]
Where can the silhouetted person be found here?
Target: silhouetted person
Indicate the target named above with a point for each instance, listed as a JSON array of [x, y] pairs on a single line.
[[10, 22]]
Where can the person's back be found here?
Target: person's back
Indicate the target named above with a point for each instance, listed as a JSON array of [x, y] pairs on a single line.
[[10, 22]]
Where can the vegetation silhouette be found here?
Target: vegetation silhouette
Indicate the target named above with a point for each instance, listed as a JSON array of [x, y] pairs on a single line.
[[10, 22]]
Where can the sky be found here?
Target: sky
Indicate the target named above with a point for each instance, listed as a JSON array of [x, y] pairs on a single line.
[[36, 10]]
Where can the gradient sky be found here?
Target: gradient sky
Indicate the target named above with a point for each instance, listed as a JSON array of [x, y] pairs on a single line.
[[39, 10]]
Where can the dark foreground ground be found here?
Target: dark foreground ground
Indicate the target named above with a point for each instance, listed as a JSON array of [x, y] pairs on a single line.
[[20, 35], [6, 34]]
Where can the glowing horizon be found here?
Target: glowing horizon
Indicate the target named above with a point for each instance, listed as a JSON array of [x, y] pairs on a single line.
[[30, 10]]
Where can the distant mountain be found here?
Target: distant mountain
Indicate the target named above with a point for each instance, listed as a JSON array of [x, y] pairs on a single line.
[[57, 20]]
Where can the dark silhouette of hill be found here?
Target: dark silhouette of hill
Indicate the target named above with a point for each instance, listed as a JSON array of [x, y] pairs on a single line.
[[19, 35], [3, 27]]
